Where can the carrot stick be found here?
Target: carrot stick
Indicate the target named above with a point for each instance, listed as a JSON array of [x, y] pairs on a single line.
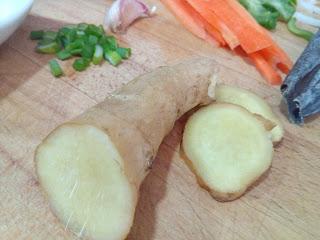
[[273, 54], [193, 21], [252, 36], [213, 20], [265, 68]]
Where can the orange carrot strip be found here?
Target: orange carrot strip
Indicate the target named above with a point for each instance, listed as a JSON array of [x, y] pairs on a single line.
[[193, 21], [273, 54], [213, 20], [265, 68], [251, 35]]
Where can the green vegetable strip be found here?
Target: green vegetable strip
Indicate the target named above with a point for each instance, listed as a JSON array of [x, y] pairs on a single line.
[[292, 27], [36, 35], [98, 55], [51, 47], [125, 53], [55, 68], [64, 54], [113, 57]]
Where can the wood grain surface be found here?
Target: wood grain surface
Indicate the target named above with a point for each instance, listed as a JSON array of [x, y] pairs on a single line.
[[283, 205]]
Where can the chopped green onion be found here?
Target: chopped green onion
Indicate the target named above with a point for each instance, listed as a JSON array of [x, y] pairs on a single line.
[[76, 52], [36, 35], [88, 41], [106, 47], [112, 42], [94, 30], [125, 53], [292, 27], [113, 57], [92, 39], [50, 47], [50, 35], [103, 40], [79, 43], [87, 51], [55, 68], [81, 64], [98, 55], [71, 35], [64, 54]]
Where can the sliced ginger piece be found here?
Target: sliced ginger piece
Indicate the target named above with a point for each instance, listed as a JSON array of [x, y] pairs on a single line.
[[253, 103], [228, 147], [85, 182]]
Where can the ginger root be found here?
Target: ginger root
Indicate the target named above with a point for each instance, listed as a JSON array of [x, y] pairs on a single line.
[[91, 167]]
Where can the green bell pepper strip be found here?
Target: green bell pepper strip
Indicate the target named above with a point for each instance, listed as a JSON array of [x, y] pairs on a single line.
[[292, 27], [283, 7], [265, 17]]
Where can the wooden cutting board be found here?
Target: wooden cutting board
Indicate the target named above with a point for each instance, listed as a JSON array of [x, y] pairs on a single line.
[[284, 204]]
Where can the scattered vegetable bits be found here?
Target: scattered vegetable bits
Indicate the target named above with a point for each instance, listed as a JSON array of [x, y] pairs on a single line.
[[88, 42]]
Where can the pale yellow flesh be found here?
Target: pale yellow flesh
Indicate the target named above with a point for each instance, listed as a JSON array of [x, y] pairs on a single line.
[[253, 103], [81, 171], [228, 148]]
